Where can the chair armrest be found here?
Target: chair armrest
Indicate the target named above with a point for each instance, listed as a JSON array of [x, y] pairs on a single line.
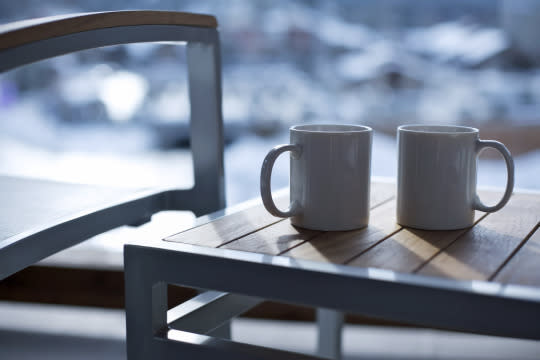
[[28, 41], [27, 31], [28, 240]]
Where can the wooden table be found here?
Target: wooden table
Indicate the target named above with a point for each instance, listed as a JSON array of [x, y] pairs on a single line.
[[485, 279]]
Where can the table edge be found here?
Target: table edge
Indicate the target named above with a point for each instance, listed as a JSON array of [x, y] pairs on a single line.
[[478, 287]]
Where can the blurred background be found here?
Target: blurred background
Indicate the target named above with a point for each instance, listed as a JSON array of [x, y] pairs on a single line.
[[119, 116]]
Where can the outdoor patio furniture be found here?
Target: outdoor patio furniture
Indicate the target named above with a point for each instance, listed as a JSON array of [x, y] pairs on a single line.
[[40, 218], [482, 280]]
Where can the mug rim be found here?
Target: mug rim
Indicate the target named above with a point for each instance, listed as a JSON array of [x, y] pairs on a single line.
[[437, 129], [330, 128]]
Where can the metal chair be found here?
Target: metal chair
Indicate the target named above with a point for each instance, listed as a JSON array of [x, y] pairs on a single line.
[[40, 218]]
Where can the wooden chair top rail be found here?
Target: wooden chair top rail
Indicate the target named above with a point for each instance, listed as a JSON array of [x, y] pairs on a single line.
[[28, 31], [503, 246]]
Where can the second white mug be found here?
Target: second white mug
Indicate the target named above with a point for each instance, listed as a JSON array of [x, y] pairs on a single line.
[[437, 176]]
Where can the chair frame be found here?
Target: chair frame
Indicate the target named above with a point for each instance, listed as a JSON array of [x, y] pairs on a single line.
[[30, 41], [25, 42]]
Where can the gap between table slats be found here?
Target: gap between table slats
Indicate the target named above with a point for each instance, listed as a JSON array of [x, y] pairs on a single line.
[[340, 247], [225, 231], [281, 237], [409, 249], [523, 266], [356, 247], [479, 252], [484, 252], [384, 244]]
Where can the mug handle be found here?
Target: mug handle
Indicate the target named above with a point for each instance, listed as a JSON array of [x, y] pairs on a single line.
[[482, 144], [266, 174]]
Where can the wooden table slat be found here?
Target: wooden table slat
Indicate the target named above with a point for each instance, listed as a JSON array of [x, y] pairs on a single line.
[[280, 237], [409, 248], [235, 226], [340, 247], [273, 240], [481, 251], [230, 227], [524, 267]]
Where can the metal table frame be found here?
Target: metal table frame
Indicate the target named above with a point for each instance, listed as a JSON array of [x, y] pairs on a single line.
[[239, 280]]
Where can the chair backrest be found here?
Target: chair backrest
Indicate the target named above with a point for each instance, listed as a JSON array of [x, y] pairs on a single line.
[[30, 41]]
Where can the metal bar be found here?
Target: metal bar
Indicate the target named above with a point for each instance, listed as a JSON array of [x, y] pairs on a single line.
[[147, 333], [222, 332], [209, 311], [473, 306], [206, 124], [145, 308], [159, 307], [330, 324], [193, 346]]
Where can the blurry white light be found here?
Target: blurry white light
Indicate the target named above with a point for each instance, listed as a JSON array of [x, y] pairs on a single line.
[[172, 104], [82, 87], [123, 93], [235, 108], [141, 51], [365, 65], [339, 33], [171, 42], [486, 287], [381, 274]]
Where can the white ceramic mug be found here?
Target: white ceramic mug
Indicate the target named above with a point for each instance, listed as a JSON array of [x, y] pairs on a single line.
[[437, 176], [329, 179]]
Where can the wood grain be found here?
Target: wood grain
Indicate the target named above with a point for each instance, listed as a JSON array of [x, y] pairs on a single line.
[[481, 251], [230, 227], [235, 226], [524, 267], [27, 31], [273, 240], [342, 246], [409, 249], [282, 236], [474, 253]]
